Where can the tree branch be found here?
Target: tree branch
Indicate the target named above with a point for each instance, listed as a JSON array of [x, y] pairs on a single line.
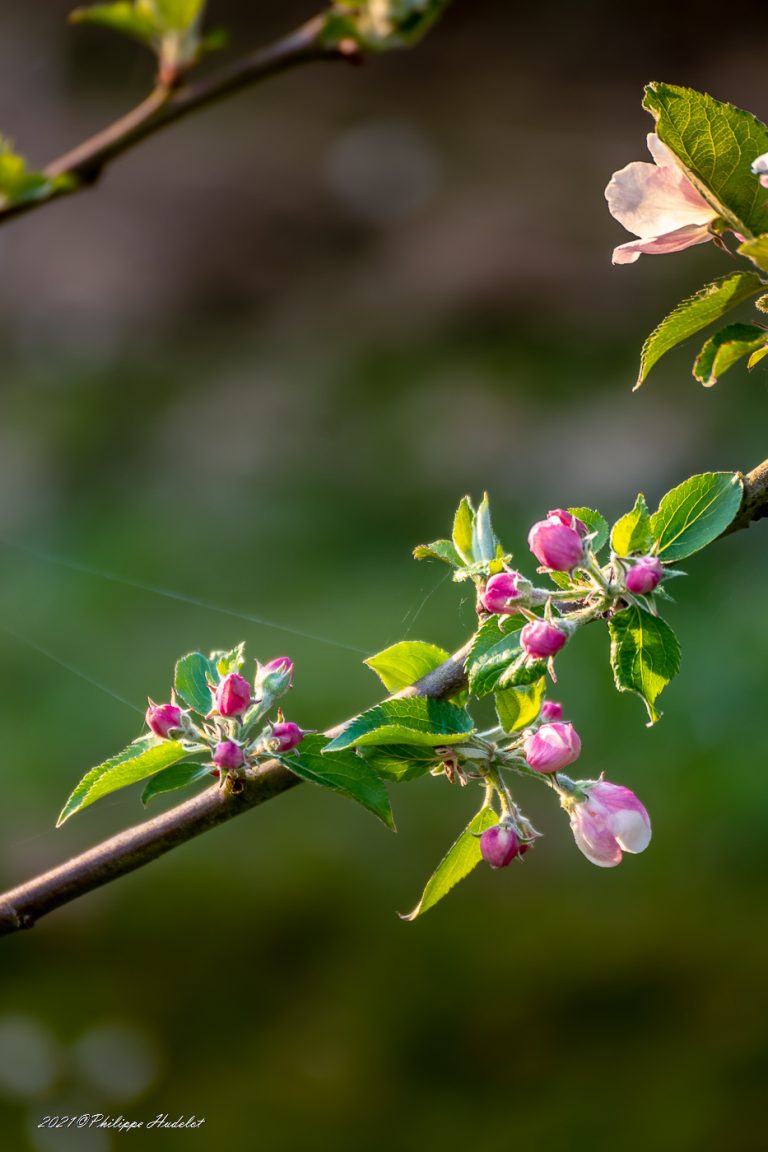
[[22, 907], [164, 106]]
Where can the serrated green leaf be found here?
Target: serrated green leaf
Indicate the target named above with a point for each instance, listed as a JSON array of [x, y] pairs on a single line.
[[715, 144], [522, 671], [518, 707], [342, 771], [399, 762], [462, 530], [596, 524], [414, 720], [403, 664], [725, 349], [645, 655], [438, 550], [632, 532], [175, 777], [458, 862], [706, 306], [193, 673], [141, 759], [495, 646], [695, 513]]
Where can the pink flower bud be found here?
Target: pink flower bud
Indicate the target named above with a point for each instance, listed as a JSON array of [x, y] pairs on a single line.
[[551, 710], [553, 747], [232, 695], [274, 678], [228, 754], [644, 575], [501, 592], [286, 736], [558, 541], [499, 845], [610, 820], [541, 640], [163, 718]]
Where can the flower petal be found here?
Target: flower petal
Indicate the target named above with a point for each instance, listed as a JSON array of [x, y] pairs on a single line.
[[594, 839], [632, 831], [650, 201], [659, 245]]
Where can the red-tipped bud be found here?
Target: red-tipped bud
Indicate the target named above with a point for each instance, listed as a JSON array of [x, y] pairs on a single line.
[[552, 748], [558, 541], [501, 592], [274, 678], [540, 640], [162, 719], [232, 695], [551, 710], [286, 736], [645, 575], [227, 754], [499, 845]]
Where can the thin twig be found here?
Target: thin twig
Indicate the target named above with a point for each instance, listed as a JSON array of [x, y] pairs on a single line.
[[164, 106]]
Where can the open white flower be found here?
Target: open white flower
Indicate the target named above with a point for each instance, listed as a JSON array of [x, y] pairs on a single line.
[[759, 168], [659, 204]]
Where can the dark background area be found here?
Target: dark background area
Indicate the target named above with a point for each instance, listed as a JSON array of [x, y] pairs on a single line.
[[256, 365]]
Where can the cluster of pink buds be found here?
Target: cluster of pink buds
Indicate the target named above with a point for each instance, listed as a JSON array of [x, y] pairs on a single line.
[[237, 709]]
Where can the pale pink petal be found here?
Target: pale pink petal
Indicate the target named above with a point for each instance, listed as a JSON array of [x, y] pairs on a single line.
[[594, 839], [632, 832], [662, 155], [659, 245], [650, 201]]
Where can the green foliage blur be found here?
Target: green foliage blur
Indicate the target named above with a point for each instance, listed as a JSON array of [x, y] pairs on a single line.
[[256, 366]]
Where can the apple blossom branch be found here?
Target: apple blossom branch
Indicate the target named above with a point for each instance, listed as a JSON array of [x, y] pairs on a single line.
[[165, 105], [23, 906]]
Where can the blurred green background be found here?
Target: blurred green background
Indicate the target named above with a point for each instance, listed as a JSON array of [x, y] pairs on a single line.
[[256, 366]]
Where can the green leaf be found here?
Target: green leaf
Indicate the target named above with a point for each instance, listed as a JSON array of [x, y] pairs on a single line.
[[595, 523], [715, 144], [495, 646], [458, 862], [518, 707], [632, 532], [756, 357], [695, 513], [172, 15], [463, 523], [645, 655], [191, 681], [725, 349], [706, 306], [415, 720], [141, 759], [484, 542], [403, 664], [439, 550], [122, 17], [20, 184], [757, 251], [522, 671], [399, 762], [343, 772], [175, 777], [226, 662]]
